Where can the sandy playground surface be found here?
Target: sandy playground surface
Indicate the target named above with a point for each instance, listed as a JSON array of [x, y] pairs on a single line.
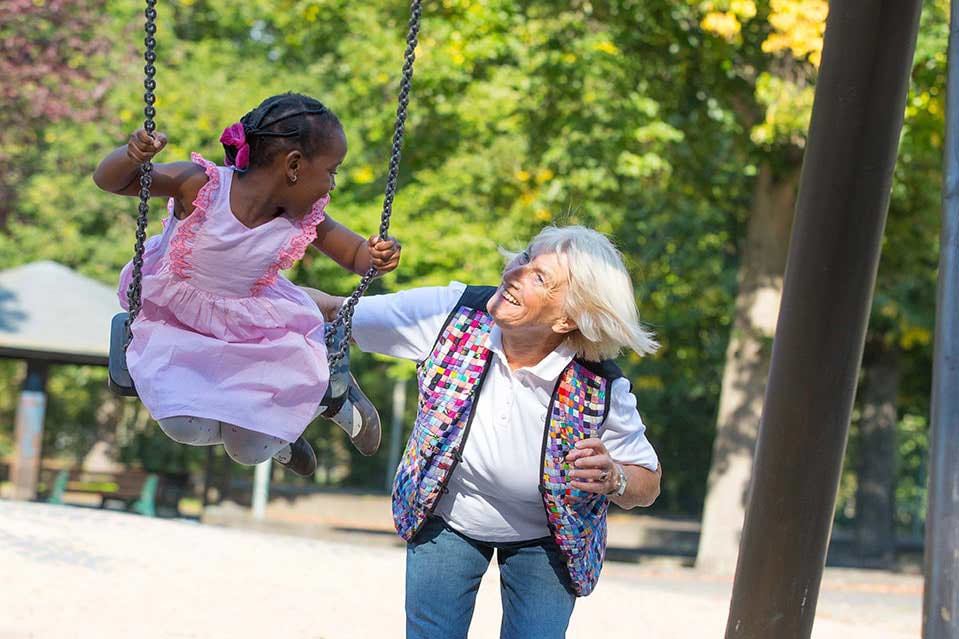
[[76, 572]]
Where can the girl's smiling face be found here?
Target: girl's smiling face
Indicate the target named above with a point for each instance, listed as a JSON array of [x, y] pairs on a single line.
[[316, 176]]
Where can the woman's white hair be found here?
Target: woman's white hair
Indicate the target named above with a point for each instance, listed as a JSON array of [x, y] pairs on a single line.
[[600, 297]]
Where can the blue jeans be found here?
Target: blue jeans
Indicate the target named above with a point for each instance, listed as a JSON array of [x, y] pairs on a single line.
[[443, 573]]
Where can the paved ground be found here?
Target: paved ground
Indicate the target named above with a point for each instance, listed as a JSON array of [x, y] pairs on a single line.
[[70, 572]]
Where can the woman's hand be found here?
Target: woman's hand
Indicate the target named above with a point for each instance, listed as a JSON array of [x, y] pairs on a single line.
[[594, 470], [384, 254], [143, 146], [328, 304]]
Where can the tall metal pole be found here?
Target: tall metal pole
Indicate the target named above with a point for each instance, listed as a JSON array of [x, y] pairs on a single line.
[[396, 431], [940, 610], [261, 489], [830, 274]]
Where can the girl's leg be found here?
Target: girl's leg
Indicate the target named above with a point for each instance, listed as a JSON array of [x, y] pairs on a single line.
[[249, 447], [194, 431], [443, 574]]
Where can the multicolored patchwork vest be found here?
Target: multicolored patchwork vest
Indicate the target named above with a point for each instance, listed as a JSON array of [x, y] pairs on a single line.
[[449, 381]]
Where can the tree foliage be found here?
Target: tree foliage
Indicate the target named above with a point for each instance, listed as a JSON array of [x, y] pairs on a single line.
[[648, 120], [51, 71]]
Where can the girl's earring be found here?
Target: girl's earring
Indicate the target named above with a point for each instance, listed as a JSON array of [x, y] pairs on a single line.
[[293, 179]]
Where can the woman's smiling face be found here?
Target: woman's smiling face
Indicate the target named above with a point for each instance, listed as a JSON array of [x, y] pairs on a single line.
[[532, 293]]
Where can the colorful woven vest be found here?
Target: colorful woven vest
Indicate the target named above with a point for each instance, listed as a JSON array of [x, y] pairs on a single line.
[[449, 381]]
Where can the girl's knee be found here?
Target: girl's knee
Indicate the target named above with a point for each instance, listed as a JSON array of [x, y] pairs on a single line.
[[250, 448], [246, 457], [195, 431]]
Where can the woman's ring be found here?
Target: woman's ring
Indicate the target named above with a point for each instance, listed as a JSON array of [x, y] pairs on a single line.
[[603, 476]]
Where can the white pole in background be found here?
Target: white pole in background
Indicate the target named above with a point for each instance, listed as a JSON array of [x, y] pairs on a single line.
[[396, 430], [261, 489]]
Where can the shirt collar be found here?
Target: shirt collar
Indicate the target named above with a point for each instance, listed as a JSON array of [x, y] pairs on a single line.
[[547, 369]]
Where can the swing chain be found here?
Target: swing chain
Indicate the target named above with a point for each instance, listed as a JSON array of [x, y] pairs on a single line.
[[344, 315], [134, 293]]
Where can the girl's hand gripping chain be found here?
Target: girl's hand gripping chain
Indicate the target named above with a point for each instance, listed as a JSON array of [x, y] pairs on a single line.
[[384, 254], [143, 146]]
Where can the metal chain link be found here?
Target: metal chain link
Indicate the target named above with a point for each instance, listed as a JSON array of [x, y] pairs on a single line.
[[134, 293], [344, 316]]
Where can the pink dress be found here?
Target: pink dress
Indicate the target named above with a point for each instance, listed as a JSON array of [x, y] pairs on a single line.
[[221, 334]]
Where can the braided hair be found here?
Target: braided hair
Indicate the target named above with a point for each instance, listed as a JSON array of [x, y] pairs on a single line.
[[283, 123]]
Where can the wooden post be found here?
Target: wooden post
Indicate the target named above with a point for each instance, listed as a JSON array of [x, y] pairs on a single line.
[[25, 468]]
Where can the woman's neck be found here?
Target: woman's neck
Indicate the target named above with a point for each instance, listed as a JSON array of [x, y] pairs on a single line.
[[527, 348]]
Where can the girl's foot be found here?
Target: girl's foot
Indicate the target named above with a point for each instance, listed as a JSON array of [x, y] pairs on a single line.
[[355, 414], [345, 404], [298, 457]]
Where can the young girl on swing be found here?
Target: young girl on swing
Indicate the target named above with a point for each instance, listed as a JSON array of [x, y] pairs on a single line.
[[225, 349]]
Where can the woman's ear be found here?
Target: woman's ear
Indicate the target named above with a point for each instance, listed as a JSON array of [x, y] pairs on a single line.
[[564, 325]]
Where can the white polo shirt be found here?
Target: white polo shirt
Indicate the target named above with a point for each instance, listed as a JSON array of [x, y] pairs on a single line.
[[494, 492]]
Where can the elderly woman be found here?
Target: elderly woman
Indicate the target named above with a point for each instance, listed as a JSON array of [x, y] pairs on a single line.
[[525, 431]]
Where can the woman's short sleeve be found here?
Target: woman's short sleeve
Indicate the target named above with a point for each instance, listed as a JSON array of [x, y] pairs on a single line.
[[624, 433], [404, 324]]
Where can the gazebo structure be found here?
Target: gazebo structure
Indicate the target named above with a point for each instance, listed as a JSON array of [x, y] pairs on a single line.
[[49, 314]]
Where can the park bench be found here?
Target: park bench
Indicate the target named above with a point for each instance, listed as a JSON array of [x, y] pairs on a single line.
[[135, 489]]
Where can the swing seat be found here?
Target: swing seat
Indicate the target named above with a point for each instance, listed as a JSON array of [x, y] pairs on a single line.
[[120, 381]]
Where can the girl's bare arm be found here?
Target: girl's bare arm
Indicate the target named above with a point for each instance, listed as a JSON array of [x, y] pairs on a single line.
[[352, 252], [119, 172]]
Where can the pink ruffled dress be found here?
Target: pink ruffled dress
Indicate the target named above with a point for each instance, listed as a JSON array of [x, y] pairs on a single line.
[[221, 334]]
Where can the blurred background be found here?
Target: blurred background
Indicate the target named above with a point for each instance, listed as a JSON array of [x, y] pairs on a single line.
[[675, 126]]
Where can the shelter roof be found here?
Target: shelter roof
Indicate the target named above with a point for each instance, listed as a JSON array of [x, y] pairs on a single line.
[[50, 312]]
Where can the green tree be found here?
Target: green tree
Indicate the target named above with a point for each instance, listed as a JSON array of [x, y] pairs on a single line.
[[896, 362], [49, 73], [765, 58], [521, 115]]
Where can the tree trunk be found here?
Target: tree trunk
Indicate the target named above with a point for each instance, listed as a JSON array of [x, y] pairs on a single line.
[[747, 365], [7, 198], [104, 455], [875, 494]]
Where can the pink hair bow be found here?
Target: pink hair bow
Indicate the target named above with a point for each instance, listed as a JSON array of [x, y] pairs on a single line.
[[234, 136]]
